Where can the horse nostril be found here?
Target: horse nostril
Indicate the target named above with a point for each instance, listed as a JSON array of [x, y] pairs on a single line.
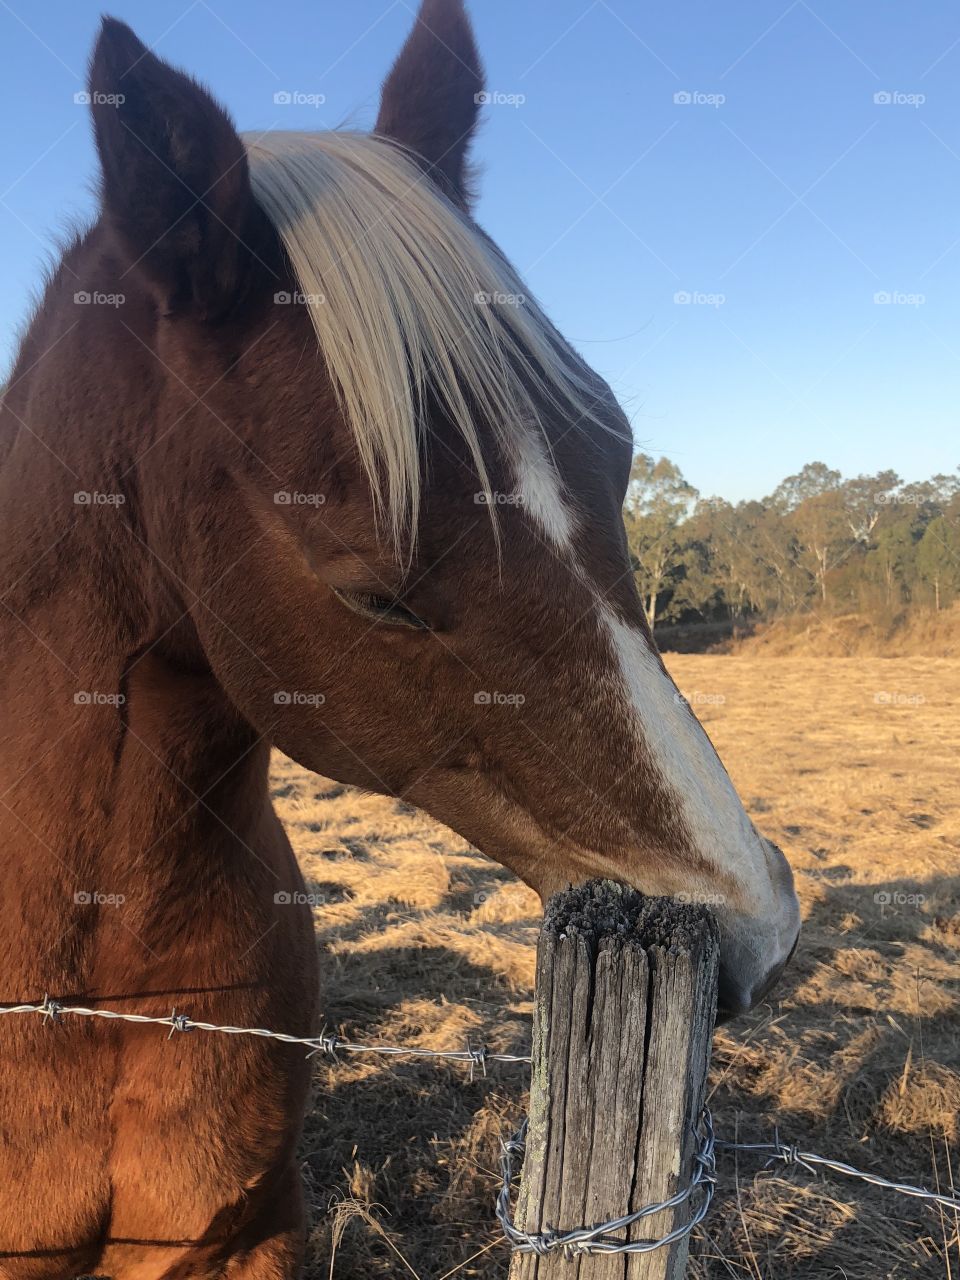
[[733, 999]]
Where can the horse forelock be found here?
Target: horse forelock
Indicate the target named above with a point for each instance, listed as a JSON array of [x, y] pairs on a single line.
[[412, 305]]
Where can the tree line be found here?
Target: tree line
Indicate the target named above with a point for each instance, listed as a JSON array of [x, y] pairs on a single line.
[[872, 544]]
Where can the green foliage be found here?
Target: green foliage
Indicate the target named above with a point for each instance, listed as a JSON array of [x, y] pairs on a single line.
[[871, 543], [657, 503], [938, 559]]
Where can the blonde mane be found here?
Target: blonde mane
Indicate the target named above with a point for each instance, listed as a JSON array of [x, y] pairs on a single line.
[[409, 302]]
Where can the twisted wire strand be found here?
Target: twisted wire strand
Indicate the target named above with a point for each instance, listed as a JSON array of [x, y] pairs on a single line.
[[790, 1153], [602, 1238], [54, 1010]]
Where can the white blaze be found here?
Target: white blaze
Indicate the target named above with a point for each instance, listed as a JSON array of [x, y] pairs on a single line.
[[677, 745], [681, 752], [539, 490], [759, 929]]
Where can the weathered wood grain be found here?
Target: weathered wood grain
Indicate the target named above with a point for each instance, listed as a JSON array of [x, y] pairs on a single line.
[[624, 1010]]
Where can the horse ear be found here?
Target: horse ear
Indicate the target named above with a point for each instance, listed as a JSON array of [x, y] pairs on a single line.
[[431, 97], [174, 181]]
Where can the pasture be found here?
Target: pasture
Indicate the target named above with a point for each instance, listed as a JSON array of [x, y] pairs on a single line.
[[850, 765]]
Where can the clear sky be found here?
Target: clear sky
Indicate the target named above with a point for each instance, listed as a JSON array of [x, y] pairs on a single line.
[[781, 198]]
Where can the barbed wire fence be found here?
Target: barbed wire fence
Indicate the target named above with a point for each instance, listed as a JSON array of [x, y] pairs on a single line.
[[601, 1238]]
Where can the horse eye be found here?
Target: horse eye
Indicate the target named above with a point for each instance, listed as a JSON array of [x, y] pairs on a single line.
[[381, 609]]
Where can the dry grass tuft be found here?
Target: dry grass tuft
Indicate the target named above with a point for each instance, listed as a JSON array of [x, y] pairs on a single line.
[[925, 1101], [345, 1212], [782, 1227], [857, 1055]]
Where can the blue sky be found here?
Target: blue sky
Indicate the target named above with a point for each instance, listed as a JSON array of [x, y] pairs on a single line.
[[781, 198]]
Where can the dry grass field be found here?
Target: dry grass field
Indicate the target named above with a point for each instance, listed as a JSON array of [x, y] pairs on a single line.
[[852, 766]]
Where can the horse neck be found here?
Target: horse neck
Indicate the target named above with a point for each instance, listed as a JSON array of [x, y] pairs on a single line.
[[107, 698]]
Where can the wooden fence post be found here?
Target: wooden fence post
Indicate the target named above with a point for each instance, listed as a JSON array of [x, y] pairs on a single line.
[[625, 1003]]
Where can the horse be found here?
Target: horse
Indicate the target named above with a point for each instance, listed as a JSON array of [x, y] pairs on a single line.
[[291, 458]]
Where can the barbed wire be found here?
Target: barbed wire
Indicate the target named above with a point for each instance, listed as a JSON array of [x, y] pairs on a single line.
[[332, 1045], [790, 1153], [601, 1238]]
